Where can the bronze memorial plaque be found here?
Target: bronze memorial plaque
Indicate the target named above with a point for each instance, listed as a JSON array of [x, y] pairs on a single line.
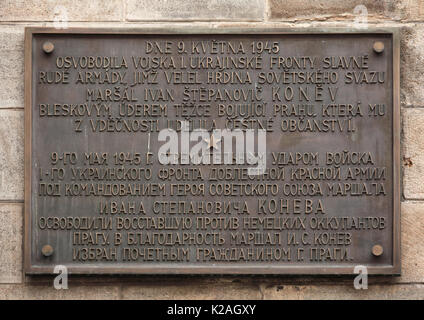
[[189, 151]]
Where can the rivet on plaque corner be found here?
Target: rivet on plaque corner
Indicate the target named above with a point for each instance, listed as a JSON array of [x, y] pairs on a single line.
[[378, 47], [47, 250], [48, 47], [377, 250]]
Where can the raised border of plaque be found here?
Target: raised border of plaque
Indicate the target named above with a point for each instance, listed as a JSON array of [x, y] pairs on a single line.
[[329, 269]]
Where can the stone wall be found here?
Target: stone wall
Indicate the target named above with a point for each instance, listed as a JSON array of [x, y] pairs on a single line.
[[15, 15]]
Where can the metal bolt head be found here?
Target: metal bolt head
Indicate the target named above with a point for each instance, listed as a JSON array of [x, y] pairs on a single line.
[[377, 250], [48, 47], [378, 47], [47, 250]]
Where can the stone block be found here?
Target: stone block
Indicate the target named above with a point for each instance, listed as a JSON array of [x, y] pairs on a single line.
[[412, 242], [343, 292], [11, 232], [192, 290], [44, 292], [11, 154], [209, 10], [60, 11], [413, 153], [412, 66], [12, 67], [397, 10]]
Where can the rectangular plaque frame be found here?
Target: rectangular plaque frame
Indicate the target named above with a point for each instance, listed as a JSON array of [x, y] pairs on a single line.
[[330, 269]]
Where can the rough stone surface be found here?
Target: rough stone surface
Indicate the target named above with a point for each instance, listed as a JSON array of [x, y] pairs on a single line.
[[412, 66], [190, 290], [409, 10], [412, 242], [47, 292], [64, 10], [351, 9], [413, 153], [11, 220], [15, 15], [345, 292], [163, 10], [12, 67], [11, 154]]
